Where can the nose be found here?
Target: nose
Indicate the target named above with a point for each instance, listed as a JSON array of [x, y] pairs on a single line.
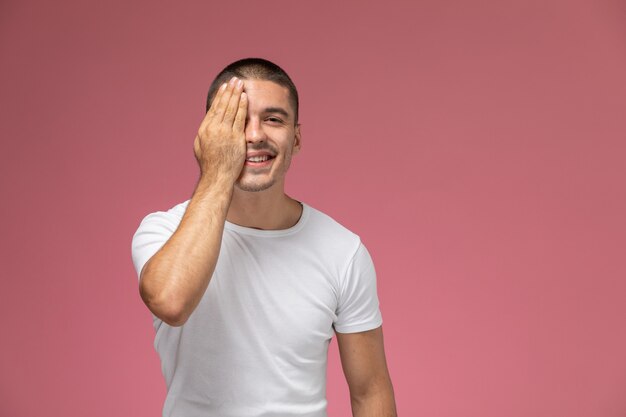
[[254, 131]]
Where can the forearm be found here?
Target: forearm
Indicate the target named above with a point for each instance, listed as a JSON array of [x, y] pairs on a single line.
[[176, 277], [379, 402]]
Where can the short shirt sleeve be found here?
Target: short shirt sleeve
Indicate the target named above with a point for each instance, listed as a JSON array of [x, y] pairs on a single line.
[[358, 308], [155, 229]]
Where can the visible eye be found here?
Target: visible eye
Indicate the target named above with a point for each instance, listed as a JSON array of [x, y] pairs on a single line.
[[274, 120]]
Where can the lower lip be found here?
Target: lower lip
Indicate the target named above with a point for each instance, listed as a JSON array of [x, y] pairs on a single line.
[[259, 164]]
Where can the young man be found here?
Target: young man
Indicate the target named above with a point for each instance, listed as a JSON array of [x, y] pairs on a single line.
[[247, 284]]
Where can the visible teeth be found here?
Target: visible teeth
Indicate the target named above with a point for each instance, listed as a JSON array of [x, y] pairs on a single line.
[[258, 158]]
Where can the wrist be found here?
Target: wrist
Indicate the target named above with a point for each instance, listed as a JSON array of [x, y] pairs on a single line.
[[219, 183]]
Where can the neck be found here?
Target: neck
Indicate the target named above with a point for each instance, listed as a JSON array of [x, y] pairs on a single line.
[[270, 209]]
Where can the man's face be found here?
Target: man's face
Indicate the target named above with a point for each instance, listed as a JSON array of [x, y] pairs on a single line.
[[271, 136]]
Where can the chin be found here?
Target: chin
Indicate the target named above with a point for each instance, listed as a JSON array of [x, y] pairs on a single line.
[[253, 186]]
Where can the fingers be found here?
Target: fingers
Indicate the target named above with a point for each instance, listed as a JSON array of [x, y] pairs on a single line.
[[242, 111], [224, 105], [233, 103], [220, 144], [211, 113], [218, 96]]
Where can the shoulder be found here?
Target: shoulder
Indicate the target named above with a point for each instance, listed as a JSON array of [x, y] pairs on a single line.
[[153, 231], [331, 234], [168, 218]]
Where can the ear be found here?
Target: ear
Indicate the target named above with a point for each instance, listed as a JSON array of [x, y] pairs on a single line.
[[297, 140]]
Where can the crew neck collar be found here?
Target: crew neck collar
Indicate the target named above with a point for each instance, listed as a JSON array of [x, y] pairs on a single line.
[[271, 233]]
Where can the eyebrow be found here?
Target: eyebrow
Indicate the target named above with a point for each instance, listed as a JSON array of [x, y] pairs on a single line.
[[278, 110]]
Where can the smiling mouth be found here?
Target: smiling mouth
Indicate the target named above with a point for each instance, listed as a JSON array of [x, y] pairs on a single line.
[[260, 158], [259, 161]]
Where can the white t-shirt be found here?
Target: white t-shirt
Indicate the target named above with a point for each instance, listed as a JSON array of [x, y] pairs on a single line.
[[257, 343]]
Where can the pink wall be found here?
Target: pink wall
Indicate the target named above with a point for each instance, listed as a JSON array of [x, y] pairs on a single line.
[[478, 149]]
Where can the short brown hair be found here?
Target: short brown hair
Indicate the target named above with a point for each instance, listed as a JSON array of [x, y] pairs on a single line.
[[255, 68]]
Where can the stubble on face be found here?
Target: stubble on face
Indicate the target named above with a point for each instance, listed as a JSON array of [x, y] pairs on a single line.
[[280, 138], [254, 187], [249, 181]]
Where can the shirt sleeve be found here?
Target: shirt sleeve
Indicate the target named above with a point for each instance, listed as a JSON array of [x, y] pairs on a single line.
[[358, 308], [155, 229]]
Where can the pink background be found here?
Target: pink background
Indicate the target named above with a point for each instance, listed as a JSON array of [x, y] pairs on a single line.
[[476, 147]]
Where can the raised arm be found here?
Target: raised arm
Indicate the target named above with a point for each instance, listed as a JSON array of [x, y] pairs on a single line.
[[365, 367], [174, 280]]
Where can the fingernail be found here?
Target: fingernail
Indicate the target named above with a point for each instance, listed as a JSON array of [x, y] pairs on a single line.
[[240, 83], [232, 80]]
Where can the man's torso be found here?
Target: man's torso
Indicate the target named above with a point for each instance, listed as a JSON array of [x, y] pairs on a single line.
[[257, 343]]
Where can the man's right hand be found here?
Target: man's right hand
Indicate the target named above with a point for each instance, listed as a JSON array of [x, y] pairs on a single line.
[[220, 145], [174, 280]]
